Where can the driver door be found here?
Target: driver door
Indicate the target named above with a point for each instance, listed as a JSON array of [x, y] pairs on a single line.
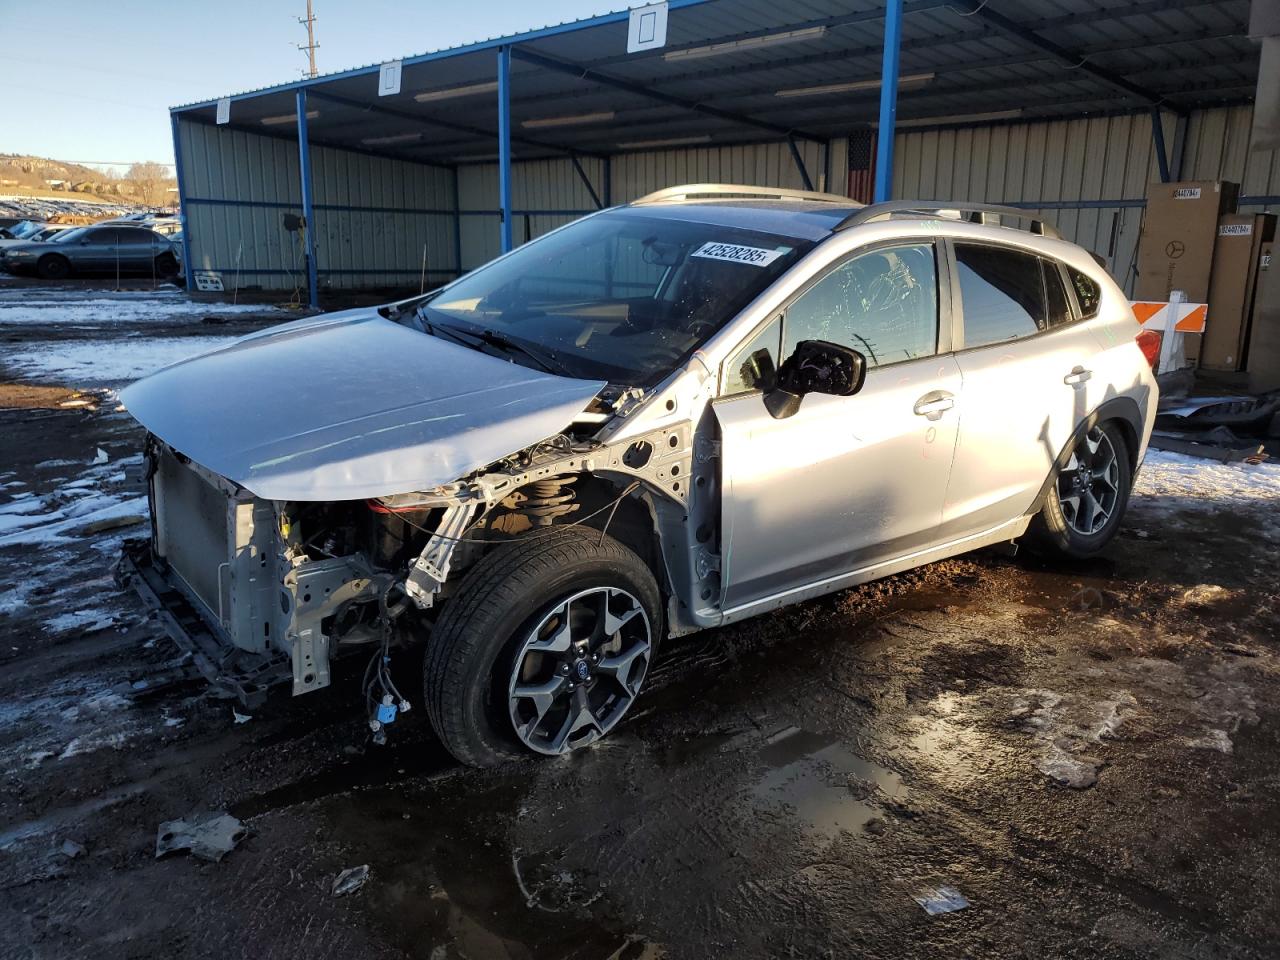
[[846, 482]]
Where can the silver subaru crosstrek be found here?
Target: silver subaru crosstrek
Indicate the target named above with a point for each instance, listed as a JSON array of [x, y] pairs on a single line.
[[666, 416]]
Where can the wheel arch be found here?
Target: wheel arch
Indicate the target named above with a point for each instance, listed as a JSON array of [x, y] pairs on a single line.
[[1122, 411], [640, 515]]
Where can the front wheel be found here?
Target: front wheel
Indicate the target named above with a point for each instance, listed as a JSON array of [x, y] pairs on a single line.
[[543, 648], [1088, 495], [53, 266]]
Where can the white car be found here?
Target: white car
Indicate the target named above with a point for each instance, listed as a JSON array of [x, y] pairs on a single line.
[[675, 414]]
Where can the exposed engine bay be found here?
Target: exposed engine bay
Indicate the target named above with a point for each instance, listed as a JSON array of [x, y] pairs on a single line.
[[265, 592]]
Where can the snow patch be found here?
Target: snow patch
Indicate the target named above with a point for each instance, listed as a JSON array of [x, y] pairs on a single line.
[[96, 362], [1166, 476], [84, 620], [1067, 726], [57, 312]]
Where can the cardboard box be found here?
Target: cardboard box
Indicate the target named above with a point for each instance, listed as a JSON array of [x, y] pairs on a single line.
[[1263, 362], [1175, 251], [1231, 288]]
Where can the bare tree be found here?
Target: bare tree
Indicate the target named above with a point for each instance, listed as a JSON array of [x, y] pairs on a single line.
[[149, 180]]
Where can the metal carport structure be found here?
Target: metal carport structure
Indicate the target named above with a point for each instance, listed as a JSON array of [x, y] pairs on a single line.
[[376, 177]]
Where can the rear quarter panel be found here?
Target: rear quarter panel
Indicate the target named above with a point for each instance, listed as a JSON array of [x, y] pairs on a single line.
[[1120, 369]]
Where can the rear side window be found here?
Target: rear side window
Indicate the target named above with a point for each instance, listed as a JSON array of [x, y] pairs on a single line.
[[1088, 293], [135, 236], [1002, 292], [1055, 295]]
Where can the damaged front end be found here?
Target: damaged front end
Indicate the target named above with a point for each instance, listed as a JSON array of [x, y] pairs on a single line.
[[233, 583], [289, 531]]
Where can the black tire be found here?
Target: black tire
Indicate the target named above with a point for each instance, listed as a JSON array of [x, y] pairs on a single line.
[[53, 266], [1052, 527], [469, 656], [166, 265]]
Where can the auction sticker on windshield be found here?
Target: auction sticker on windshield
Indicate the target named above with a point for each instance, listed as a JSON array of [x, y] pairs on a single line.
[[756, 256]]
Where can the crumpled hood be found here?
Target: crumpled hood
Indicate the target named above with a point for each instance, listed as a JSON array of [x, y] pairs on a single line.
[[350, 405]]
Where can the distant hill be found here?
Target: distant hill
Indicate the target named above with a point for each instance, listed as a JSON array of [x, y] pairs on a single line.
[[144, 185]]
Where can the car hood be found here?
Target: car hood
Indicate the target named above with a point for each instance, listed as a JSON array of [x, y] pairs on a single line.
[[348, 406]]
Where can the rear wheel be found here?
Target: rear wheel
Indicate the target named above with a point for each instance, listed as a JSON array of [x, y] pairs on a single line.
[[1088, 495], [53, 266], [543, 648]]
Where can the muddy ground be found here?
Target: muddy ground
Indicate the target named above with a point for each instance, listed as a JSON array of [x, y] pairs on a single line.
[[1086, 752]]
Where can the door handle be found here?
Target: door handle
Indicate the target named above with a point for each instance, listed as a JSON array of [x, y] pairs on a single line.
[[1076, 376], [933, 405]]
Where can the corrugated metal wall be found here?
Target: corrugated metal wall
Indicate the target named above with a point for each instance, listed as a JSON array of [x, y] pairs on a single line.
[[1094, 163], [1087, 175], [554, 185], [1218, 149], [373, 216]]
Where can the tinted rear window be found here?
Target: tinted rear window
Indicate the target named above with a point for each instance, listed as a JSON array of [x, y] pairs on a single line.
[[1002, 294], [1088, 293]]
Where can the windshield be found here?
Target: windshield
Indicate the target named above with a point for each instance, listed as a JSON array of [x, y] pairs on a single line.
[[25, 229], [618, 296]]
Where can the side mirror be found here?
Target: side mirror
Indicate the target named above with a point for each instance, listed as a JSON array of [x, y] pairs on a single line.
[[817, 366]]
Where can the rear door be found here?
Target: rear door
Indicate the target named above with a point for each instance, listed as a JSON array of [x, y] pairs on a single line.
[[846, 481], [1026, 362], [136, 249]]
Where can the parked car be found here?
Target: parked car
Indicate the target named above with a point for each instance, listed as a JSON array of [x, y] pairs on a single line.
[[49, 231], [26, 232], [21, 230], [698, 407], [109, 249], [164, 225]]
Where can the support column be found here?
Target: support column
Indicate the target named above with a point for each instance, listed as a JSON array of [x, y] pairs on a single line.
[[308, 210], [504, 144], [187, 266], [888, 99]]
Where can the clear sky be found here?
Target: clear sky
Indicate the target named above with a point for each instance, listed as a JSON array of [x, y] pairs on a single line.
[[90, 80]]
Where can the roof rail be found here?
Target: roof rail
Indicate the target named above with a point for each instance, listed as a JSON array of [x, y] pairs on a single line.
[[963, 210], [691, 190]]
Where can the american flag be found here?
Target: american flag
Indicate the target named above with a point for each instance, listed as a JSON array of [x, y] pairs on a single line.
[[862, 165]]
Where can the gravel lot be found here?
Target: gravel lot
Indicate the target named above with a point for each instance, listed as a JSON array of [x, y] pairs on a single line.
[[1086, 753]]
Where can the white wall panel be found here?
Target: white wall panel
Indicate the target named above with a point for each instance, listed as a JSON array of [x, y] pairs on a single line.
[[1085, 159], [253, 182], [555, 185]]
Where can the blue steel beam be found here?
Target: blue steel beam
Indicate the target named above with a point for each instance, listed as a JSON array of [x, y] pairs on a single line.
[[888, 100], [187, 268], [504, 144], [650, 93], [308, 211]]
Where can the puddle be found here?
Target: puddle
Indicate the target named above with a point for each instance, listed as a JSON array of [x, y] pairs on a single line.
[[445, 880], [823, 782]]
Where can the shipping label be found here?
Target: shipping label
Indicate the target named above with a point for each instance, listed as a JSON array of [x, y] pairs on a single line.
[[756, 256]]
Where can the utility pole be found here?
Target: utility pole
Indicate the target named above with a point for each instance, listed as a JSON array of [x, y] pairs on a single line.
[[311, 46]]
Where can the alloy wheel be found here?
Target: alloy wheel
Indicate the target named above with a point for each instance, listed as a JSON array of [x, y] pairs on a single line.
[[1089, 485], [579, 669]]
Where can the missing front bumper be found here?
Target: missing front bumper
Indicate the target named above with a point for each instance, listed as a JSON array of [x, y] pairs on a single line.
[[232, 672]]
